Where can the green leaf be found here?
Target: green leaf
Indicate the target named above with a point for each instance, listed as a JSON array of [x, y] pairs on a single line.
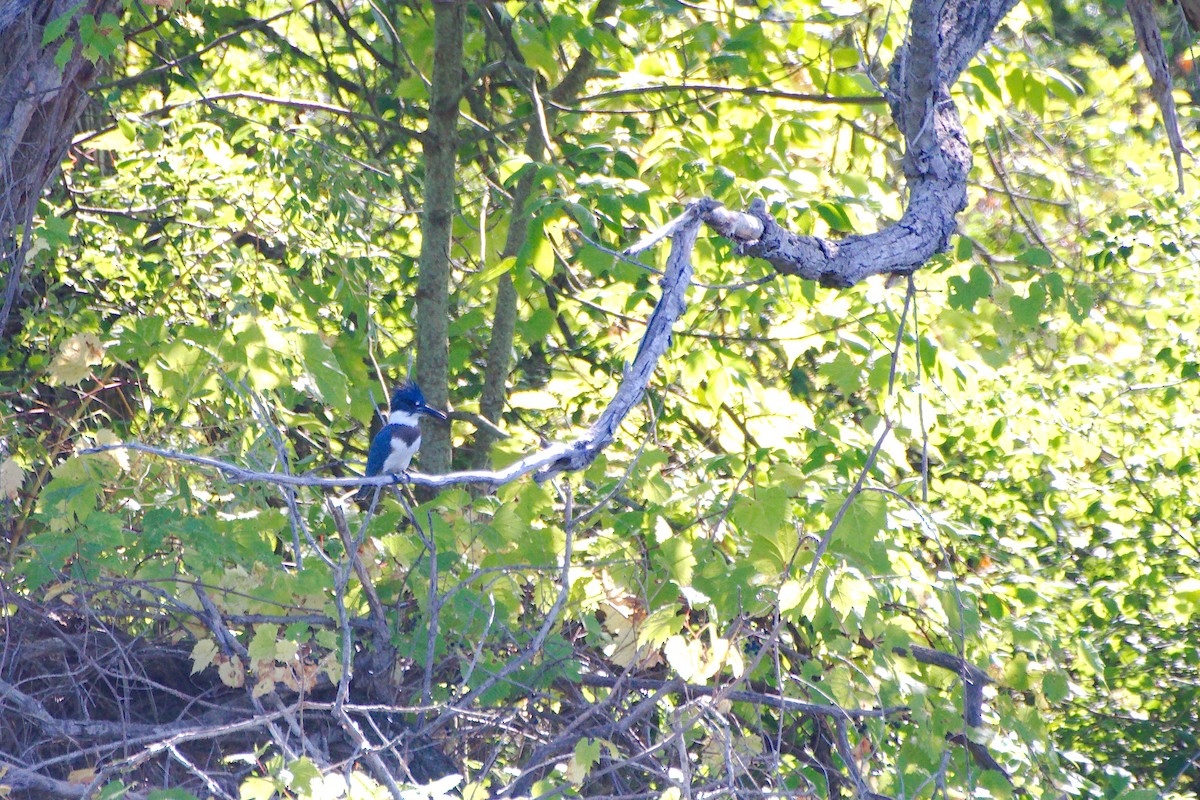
[[964, 294], [493, 272], [56, 28], [964, 249], [244, 132], [587, 753], [170, 794], [112, 791], [64, 52], [987, 78], [1035, 95], [846, 375], [322, 367], [761, 512], [850, 596], [71, 493], [256, 350], [597, 262], [1016, 673], [1055, 687], [257, 788], [1026, 311], [997, 785], [1036, 257], [1062, 86], [56, 232], [262, 645], [1083, 298], [790, 594], [179, 373], [835, 216], [127, 128], [679, 560], [303, 772], [115, 140], [1014, 80], [112, 36], [862, 523], [1054, 284], [660, 625], [508, 525], [1141, 794]]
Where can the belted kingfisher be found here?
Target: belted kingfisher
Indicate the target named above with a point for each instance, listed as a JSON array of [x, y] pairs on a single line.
[[394, 446]]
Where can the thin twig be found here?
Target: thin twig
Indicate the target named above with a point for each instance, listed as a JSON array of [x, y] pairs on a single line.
[[539, 639], [352, 545], [854, 492], [746, 696], [847, 753], [435, 604]]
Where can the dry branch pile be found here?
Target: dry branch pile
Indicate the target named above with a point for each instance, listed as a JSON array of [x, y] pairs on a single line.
[[85, 704]]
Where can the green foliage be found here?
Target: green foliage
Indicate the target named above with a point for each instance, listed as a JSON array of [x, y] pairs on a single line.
[[234, 278]]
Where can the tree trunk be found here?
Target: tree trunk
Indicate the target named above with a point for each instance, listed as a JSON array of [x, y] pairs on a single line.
[[504, 322], [39, 106], [433, 283]]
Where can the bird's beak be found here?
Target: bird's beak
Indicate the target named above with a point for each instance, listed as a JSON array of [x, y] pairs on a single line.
[[433, 412]]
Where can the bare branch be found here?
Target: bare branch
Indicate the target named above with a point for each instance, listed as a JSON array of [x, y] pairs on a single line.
[[979, 753], [18, 778], [741, 91], [1149, 39], [296, 104], [237, 474], [745, 696], [861, 789], [352, 544], [944, 35], [654, 344], [539, 639], [823, 545], [552, 459], [974, 678]]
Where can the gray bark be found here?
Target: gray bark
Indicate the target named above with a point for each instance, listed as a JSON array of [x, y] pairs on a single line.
[[944, 35], [1154, 54], [433, 283], [39, 107]]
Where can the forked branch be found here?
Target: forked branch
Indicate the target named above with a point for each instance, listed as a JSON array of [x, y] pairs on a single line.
[[944, 36]]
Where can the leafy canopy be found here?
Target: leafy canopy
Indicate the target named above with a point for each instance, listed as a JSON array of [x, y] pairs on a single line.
[[227, 267]]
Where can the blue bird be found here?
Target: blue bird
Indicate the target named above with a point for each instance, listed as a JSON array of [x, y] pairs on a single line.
[[394, 446]]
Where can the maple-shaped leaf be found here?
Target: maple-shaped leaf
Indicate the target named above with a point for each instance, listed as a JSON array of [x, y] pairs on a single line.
[[76, 358]]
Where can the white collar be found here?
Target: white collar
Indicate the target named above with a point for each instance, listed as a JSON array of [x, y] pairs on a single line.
[[406, 418]]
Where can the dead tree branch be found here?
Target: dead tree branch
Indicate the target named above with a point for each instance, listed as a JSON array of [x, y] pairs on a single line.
[[744, 696], [552, 459], [943, 37], [1149, 39], [974, 678]]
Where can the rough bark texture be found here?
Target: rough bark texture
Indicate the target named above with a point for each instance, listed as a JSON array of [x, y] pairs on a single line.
[[1149, 39], [504, 321], [39, 106], [676, 280], [1191, 12], [433, 284], [943, 37]]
